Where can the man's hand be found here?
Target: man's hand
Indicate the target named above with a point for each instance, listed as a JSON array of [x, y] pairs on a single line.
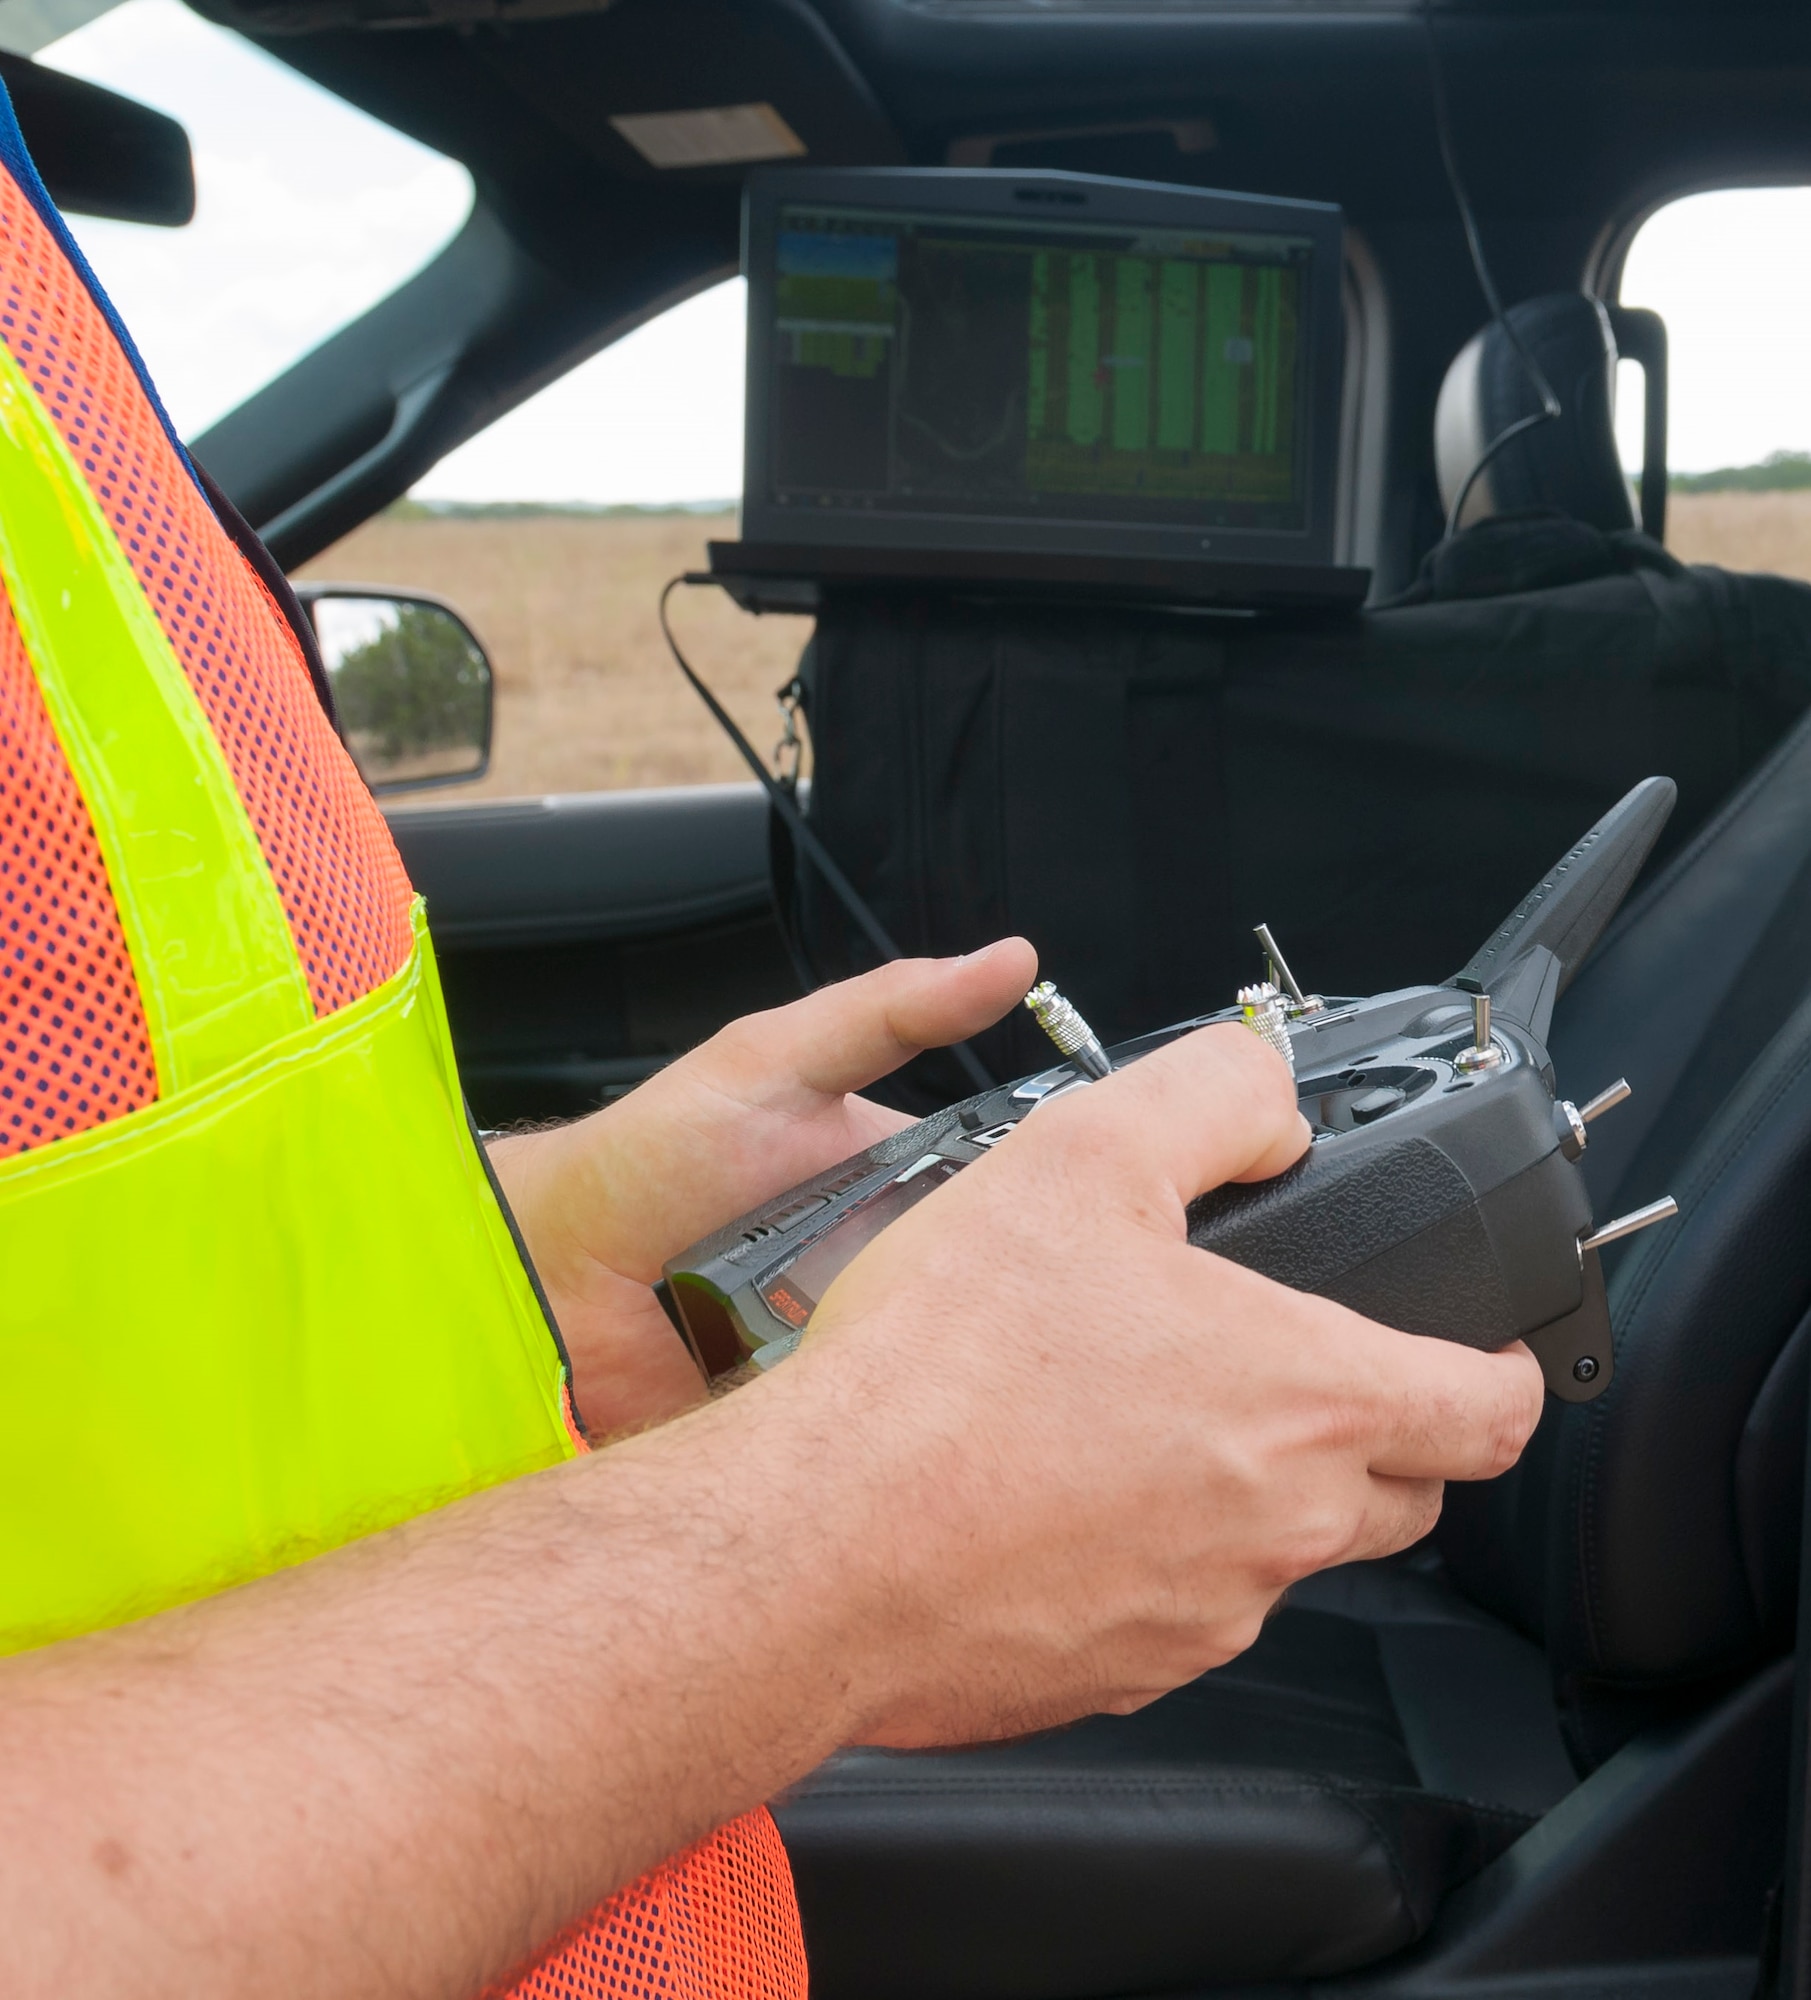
[[603, 1203], [1097, 1455]]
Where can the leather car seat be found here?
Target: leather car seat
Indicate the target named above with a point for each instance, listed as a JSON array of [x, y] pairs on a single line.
[[1686, 1575], [1304, 1811], [1298, 1812]]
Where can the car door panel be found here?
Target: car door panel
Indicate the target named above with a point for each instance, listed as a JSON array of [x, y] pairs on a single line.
[[586, 939]]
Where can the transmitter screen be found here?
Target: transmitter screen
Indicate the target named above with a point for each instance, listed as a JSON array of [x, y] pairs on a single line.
[[795, 1292], [1003, 367]]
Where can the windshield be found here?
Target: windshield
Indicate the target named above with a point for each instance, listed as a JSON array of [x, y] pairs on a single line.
[[307, 212]]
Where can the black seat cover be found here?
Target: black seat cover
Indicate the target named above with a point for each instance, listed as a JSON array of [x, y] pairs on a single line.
[[1134, 792], [1695, 977], [1304, 1811]]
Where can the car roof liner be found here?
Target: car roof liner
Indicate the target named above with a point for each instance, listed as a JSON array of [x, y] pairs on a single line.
[[576, 239], [310, 17], [1573, 125]]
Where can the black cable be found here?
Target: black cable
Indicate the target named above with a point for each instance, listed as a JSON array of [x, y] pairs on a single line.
[[1449, 159], [786, 806]]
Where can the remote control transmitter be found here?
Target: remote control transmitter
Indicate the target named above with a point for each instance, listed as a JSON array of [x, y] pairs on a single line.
[[1440, 1193]]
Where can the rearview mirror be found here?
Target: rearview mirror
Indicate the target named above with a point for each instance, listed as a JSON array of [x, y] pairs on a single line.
[[411, 683], [100, 153]]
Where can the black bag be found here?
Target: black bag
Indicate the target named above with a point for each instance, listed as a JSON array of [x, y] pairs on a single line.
[[1133, 790]]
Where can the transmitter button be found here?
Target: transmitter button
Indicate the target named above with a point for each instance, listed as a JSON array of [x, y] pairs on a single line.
[[1375, 1104], [798, 1211], [1036, 1088]]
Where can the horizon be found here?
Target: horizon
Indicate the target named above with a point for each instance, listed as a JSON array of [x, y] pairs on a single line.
[[1717, 479]]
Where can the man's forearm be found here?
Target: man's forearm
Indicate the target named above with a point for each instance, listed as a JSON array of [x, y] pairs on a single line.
[[401, 1769]]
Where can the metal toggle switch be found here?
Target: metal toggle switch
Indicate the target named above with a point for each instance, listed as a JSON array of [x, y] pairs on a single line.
[[1569, 1127], [1606, 1100], [1569, 1121], [1626, 1225], [1300, 1003], [1266, 1014], [1483, 1053]]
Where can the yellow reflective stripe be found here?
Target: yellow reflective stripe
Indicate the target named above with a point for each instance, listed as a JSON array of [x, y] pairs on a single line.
[[217, 968], [257, 1320]]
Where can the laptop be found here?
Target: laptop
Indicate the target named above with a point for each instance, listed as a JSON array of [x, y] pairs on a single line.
[[1052, 383]]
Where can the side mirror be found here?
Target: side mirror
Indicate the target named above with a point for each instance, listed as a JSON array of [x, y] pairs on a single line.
[[412, 684]]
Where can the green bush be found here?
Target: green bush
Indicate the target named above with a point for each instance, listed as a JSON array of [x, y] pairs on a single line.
[[1778, 472], [419, 685]]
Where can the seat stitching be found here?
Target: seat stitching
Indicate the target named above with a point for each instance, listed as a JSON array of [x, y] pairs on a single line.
[[1737, 1142]]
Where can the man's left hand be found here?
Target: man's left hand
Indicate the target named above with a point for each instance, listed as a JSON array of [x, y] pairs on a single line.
[[767, 1103]]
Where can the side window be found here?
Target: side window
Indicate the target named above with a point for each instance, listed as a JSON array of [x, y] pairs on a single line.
[[1729, 274], [554, 532]]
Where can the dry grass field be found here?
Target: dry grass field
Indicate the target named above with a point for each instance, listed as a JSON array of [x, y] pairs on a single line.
[[1766, 531], [588, 697]]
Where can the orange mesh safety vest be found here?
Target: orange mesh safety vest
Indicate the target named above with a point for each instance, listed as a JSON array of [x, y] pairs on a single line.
[[166, 1028]]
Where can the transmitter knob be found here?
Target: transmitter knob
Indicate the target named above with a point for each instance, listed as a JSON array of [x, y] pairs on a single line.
[[1064, 1025], [1570, 1128], [1265, 1013]]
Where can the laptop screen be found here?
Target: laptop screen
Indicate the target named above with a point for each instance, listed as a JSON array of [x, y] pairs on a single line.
[[957, 364], [1061, 378]]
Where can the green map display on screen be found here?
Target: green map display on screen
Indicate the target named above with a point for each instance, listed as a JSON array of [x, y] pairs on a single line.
[[922, 363], [1139, 369]]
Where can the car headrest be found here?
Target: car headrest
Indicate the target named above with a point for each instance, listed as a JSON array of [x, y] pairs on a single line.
[[1570, 464]]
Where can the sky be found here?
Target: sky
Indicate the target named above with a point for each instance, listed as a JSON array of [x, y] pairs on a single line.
[[308, 212], [1730, 273]]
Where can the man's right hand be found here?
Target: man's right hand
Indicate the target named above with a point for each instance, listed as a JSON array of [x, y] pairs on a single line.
[[1085, 1458]]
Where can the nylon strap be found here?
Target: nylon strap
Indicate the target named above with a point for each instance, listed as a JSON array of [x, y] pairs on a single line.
[[217, 968]]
